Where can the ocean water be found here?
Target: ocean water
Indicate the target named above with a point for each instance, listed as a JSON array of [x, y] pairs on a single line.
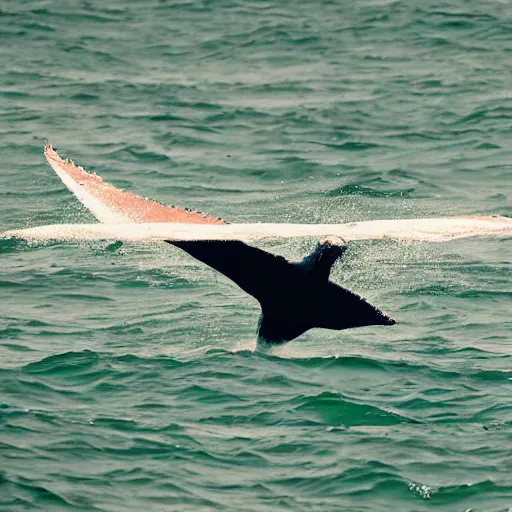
[[128, 375]]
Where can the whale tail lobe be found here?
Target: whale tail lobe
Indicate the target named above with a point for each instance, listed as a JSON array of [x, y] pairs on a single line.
[[294, 297]]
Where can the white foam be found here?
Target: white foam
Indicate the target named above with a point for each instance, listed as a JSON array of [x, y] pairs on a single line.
[[428, 230]]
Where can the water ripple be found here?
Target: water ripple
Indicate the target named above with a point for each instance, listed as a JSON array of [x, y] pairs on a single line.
[[129, 378]]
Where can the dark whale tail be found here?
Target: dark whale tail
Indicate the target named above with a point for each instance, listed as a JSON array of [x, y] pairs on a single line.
[[294, 297]]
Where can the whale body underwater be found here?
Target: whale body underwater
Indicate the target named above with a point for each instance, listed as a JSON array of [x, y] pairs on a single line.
[[294, 296]]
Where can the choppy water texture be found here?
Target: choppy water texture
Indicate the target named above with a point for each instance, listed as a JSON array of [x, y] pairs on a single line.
[[128, 380]]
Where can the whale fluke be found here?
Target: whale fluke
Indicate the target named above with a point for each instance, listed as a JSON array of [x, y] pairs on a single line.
[[294, 297]]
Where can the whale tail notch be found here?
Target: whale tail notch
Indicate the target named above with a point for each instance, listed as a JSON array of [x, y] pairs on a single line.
[[294, 297]]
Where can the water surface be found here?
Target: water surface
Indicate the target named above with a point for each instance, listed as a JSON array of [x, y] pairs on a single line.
[[128, 379]]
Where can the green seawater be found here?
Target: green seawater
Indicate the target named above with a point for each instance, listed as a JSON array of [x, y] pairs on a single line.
[[128, 376]]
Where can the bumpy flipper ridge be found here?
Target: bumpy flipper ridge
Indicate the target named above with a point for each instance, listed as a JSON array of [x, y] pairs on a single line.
[[111, 204]]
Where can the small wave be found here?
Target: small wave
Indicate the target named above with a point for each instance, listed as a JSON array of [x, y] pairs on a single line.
[[484, 113], [83, 96], [453, 493], [12, 245], [354, 189], [139, 154], [81, 17], [64, 364], [201, 394], [358, 481], [333, 409], [349, 145], [29, 494]]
